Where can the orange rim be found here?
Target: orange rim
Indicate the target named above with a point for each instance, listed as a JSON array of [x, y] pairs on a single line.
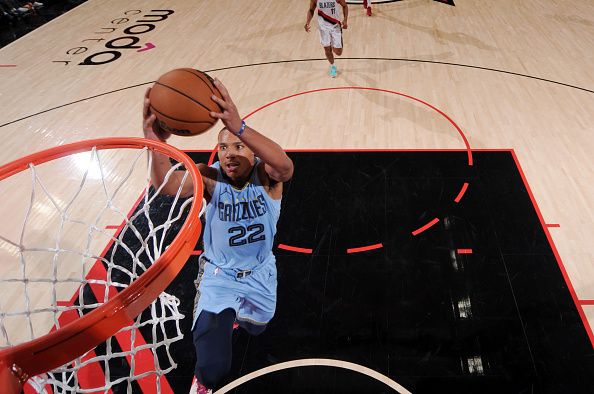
[[74, 339]]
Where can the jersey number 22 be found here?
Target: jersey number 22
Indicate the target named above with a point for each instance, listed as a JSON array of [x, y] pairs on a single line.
[[255, 234]]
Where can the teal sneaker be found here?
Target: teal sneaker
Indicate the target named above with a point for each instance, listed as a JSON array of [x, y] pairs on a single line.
[[332, 71]]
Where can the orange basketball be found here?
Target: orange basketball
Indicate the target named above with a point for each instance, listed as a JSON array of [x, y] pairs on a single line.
[[181, 101]]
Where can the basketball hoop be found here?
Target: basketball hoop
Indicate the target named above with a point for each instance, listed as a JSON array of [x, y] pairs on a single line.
[[147, 280]]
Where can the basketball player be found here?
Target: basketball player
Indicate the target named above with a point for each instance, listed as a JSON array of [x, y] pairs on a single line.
[[330, 25], [367, 6], [237, 272]]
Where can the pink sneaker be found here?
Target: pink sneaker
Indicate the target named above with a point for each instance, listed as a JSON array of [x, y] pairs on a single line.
[[198, 388]]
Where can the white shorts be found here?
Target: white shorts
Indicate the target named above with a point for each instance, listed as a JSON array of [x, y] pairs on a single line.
[[330, 36]]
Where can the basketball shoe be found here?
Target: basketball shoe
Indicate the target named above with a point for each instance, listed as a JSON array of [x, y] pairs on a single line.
[[367, 6], [198, 388], [333, 72]]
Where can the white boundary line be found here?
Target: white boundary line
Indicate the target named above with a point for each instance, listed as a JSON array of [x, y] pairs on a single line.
[[315, 362]]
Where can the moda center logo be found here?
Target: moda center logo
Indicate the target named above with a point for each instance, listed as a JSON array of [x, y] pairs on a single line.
[[128, 28]]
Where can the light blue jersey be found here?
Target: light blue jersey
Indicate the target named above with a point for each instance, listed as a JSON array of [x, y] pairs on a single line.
[[237, 268], [240, 223]]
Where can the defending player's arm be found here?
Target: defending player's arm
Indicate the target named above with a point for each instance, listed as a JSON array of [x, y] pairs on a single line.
[[345, 13], [278, 165], [161, 164], [310, 14]]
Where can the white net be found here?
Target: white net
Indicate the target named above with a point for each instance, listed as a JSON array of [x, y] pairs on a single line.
[[69, 245]]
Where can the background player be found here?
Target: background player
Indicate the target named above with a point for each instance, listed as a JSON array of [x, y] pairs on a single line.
[[330, 24], [367, 6]]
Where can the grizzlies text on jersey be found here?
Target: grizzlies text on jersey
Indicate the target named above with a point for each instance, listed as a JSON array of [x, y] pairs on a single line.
[[240, 223]]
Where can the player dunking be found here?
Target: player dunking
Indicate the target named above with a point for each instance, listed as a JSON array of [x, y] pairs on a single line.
[[237, 272], [330, 25]]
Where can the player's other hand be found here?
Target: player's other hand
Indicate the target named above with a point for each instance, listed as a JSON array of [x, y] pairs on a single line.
[[150, 126], [230, 115], [345, 25], [307, 27]]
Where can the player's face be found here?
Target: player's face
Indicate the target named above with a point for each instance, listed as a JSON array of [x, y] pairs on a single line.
[[235, 157]]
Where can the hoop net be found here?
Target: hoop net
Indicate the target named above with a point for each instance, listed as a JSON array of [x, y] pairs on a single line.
[[86, 262]]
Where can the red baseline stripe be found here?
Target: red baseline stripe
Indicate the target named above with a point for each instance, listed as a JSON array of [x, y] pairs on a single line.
[[98, 272], [91, 375], [295, 249], [587, 302], [462, 191], [553, 225], [143, 359], [464, 251], [570, 287], [425, 227], [112, 227], [373, 150], [365, 248]]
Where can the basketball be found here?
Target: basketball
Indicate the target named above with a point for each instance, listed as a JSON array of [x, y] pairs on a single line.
[[180, 99]]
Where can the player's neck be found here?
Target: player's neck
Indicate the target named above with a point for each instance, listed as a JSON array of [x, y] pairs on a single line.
[[239, 183]]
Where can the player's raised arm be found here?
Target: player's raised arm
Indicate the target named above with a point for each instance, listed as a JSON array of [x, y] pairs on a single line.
[[279, 166], [161, 164]]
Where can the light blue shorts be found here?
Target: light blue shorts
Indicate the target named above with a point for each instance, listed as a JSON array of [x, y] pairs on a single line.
[[252, 296]]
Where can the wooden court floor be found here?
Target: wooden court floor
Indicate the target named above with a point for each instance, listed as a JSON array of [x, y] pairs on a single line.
[[417, 75]]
